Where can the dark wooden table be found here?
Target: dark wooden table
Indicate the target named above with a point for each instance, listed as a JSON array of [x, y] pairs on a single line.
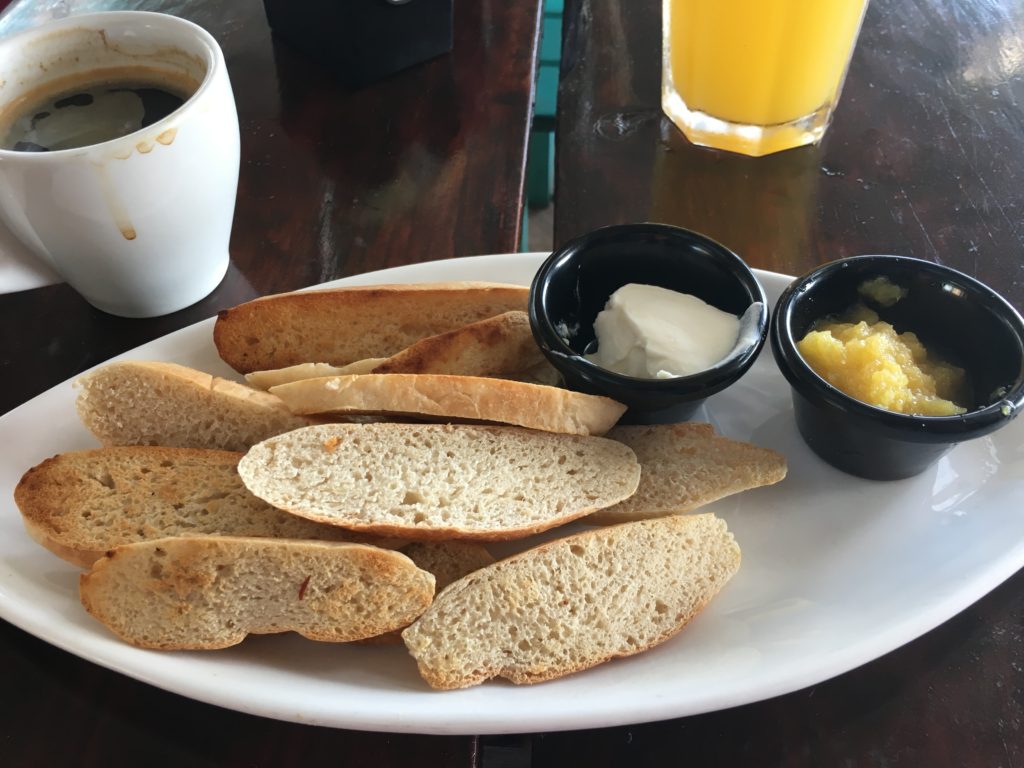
[[425, 165], [925, 158]]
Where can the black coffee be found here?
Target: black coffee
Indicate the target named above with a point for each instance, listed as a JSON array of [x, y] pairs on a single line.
[[90, 114]]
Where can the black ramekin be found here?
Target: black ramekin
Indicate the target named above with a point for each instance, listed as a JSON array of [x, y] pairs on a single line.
[[574, 284], [958, 318]]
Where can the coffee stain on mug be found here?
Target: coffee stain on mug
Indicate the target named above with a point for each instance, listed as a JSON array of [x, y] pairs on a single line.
[[113, 200], [144, 147]]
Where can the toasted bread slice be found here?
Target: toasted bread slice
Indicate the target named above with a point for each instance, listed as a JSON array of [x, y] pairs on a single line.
[[684, 467], [434, 481], [496, 346], [343, 325], [542, 373], [266, 379], [211, 591], [444, 398], [83, 503], [573, 603], [146, 403], [449, 561]]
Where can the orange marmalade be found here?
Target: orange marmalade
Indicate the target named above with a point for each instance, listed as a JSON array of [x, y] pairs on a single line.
[[867, 359]]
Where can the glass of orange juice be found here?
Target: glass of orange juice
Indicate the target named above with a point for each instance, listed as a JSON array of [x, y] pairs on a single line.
[[756, 76]]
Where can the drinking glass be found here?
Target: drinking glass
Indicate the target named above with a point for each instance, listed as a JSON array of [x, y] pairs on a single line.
[[756, 76]]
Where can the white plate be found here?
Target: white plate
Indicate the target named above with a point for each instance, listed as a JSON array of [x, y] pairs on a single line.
[[836, 572]]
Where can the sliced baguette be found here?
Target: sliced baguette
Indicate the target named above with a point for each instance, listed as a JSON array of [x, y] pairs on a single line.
[[684, 467], [434, 481], [573, 603], [445, 398], [211, 592], [496, 346], [448, 561], [542, 373], [146, 403], [342, 325], [266, 379], [80, 504]]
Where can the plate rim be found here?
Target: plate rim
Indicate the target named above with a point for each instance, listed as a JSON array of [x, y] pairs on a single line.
[[33, 620]]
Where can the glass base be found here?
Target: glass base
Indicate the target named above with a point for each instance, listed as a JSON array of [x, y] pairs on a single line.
[[755, 140]]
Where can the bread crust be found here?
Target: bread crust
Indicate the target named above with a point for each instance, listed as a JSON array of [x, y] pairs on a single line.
[[342, 325], [499, 345], [266, 379], [197, 593], [449, 561], [536, 597], [444, 397], [136, 402], [430, 482], [684, 467], [81, 504]]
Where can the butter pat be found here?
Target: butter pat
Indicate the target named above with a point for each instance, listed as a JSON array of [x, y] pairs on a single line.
[[654, 333]]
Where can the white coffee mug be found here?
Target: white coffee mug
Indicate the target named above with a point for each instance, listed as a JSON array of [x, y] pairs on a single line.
[[139, 225]]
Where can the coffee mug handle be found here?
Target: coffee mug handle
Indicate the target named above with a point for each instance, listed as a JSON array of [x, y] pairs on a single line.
[[20, 269]]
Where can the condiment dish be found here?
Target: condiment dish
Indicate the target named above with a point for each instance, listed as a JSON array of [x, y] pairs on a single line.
[[964, 321], [573, 285]]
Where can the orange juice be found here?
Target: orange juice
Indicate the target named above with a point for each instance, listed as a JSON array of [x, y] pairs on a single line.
[[763, 63]]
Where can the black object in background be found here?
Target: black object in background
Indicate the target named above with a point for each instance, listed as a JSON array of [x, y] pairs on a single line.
[[361, 41]]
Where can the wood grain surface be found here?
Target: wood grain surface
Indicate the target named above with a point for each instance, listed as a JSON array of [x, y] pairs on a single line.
[[427, 164], [953, 698], [924, 156]]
